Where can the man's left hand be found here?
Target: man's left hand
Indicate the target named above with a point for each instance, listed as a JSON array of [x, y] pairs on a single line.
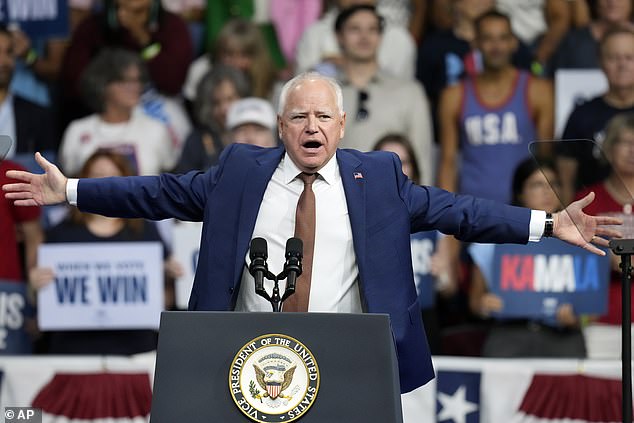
[[578, 228]]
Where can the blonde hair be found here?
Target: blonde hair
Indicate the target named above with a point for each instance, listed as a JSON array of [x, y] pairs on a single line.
[[247, 38]]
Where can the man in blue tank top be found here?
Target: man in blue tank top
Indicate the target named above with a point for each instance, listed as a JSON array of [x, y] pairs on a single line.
[[491, 118]]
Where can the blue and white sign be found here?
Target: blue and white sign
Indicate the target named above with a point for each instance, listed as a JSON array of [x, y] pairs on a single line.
[[37, 18], [423, 245], [102, 286], [533, 280], [14, 309], [186, 246]]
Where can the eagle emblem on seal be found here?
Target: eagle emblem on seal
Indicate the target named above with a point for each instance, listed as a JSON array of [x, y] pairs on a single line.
[[274, 379]]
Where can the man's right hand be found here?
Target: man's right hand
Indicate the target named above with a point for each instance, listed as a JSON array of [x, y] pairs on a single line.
[[37, 190]]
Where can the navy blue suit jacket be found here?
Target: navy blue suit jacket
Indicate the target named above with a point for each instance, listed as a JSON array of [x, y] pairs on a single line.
[[384, 208]]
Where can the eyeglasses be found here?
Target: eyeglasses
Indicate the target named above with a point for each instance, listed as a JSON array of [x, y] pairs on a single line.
[[362, 111]]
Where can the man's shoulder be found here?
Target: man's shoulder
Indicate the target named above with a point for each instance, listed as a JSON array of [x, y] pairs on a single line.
[[247, 153], [367, 158], [396, 85], [589, 107]]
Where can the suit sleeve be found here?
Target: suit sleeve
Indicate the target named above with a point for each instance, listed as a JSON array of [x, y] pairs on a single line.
[[183, 197], [468, 218]]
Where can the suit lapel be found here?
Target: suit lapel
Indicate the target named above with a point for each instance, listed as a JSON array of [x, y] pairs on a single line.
[[255, 183], [353, 178]]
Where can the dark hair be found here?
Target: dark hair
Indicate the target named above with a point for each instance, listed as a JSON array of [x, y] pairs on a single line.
[[345, 14], [524, 170], [113, 27], [108, 67], [218, 74], [491, 14], [404, 142], [4, 30], [125, 169]]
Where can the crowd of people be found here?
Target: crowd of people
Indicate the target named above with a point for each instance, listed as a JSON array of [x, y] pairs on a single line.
[[457, 89]]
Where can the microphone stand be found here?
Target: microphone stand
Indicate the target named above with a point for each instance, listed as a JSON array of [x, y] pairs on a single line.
[[625, 249], [275, 299]]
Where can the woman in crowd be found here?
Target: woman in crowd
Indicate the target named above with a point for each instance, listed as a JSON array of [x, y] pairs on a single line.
[[613, 197], [240, 44], [112, 86], [560, 336], [217, 91], [159, 37], [92, 228]]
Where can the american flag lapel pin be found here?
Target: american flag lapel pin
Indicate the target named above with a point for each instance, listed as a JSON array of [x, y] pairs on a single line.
[[357, 175]]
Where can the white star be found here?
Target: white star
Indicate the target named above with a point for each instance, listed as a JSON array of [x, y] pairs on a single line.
[[456, 406]]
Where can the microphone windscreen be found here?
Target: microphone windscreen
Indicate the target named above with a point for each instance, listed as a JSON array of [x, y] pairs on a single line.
[[258, 248], [294, 246]]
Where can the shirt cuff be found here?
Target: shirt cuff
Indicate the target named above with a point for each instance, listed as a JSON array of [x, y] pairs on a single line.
[[71, 191], [536, 225]]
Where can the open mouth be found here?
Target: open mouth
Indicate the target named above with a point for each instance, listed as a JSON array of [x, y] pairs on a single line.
[[312, 144]]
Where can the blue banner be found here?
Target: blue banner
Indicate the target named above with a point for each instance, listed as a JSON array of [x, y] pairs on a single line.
[[37, 18], [14, 309], [423, 246], [533, 280]]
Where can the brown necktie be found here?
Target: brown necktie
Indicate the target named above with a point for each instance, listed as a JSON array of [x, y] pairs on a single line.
[[304, 230]]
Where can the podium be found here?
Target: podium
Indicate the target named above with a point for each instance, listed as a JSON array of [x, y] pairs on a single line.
[[351, 362]]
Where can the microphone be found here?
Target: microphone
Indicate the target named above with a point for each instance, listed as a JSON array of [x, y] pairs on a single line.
[[258, 267], [293, 264], [5, 145]]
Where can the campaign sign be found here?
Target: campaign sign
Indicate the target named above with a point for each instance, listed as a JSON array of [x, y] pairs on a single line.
[[533, 280], [101, 286], [37, 18], [423, 246], [186, 246], [14, 308]]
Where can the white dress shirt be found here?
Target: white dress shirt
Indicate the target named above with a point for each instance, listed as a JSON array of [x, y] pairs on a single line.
[[334, 286]]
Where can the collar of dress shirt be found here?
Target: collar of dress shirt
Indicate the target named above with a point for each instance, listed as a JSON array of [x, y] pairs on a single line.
[[328, 173]]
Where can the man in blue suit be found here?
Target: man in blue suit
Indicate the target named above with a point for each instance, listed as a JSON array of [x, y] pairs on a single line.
[[365, 211]]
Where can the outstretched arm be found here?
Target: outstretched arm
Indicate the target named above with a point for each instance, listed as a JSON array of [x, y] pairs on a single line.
[[577, 228], [37, 190]]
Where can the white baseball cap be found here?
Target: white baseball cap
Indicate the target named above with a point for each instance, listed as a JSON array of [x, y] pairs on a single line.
[[251, 110]]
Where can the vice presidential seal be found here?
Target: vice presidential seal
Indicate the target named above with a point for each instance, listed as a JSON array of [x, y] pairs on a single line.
[[274, 378]]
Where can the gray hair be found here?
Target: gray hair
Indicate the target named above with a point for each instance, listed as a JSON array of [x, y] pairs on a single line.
[[203, 103], [615, 128], [310, 76]]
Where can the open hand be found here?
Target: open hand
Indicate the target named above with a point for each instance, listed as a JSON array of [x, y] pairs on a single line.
[[37, 190], [578, 228]]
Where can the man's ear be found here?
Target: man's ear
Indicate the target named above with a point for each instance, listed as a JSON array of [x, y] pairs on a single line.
[[343, 125], [280, 125]]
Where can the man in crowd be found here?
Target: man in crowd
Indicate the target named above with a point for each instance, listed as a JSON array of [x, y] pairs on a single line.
[[318, 45], [588, 120], [383, 103], [491, 118]]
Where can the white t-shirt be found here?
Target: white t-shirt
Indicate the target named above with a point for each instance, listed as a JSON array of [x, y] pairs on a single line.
[[145, 141]]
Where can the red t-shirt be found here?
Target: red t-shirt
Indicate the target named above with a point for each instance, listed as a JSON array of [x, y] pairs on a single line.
[[604, 203], [10, 215]]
